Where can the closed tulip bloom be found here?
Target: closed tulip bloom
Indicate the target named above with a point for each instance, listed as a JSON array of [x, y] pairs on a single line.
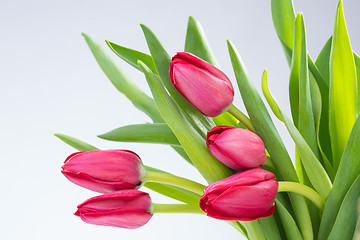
[[104, 170], [237, 148], [125, 209], [204, 86], [245, 196]]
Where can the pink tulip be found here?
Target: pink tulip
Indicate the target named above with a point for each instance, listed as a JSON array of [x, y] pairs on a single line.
[[245, 196], [204, 86], [125, 209], [104, 170], [237, 148]]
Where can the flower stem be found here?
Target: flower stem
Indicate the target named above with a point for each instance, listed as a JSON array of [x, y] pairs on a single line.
[[303, 190], [176, 208], [176, 181], [241, 117]]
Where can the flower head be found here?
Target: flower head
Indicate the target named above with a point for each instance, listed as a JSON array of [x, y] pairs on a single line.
[[204, 86], [104, 170], [244, 196]]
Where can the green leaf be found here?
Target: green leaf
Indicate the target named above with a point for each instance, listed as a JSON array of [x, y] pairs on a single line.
[[346, 220], [121, 81], [196, 42], [291, 230], [227, 119], [266, 130], [145, 133], [323, 60], [194, 145], [162, 62], [314, 170], [283, 16], [300, 95], [75, 143], [343, 102], [132, 56], [176, 193], [347, 173], [357, 65], [270, 228], [268, 97]]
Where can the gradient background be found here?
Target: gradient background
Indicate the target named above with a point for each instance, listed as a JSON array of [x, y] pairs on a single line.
[[50, 83]]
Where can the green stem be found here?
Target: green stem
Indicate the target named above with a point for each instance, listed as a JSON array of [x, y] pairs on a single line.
[[176, 208], [176, 181], [254, 230], [303, 190], [241, 117]]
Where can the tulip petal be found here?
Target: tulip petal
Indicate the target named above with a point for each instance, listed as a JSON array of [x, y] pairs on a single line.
[[123, 218], [86, 181]]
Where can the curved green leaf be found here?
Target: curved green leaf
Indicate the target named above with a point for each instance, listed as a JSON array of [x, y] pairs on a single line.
[[121, 81], [132, 56], [194, 145], [266, 130], [145, 133], [162, 62], [346, 220], [76, 143], [268, 97], [357, 65], [347, 173], [283, 16], [196, 42], [291, 230], [314, 170], [343, 102]]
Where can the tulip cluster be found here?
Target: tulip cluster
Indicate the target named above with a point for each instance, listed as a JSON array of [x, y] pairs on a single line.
[[117, 173], [247, 195]]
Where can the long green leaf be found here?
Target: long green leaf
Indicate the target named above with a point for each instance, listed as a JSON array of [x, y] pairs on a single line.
[[314, 170], [145, 133], [76, 143], [126, 86], [266, 130], [132, 56], [300, 100], [343, 102], [194, 145], [121, 81], [283, 16], [357, 65], [162, 62], [291, 230], [348, 171], [346, 220], [322, 129], [196, 42], [166, 190]]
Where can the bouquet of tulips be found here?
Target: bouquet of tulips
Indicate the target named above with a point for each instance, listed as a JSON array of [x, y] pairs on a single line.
[[253, 183]]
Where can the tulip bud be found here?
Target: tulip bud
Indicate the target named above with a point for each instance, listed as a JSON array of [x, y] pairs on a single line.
[[104, 170], [244, 196], [237, 148], [204, 86], [125, 208]]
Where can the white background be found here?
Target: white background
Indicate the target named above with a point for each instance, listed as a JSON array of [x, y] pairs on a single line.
[[50, 83]]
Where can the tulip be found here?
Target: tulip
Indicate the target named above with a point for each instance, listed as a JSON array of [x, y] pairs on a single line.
[[104, 170], [237, 148], [204, 86], [244, 196], [125, 209]]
